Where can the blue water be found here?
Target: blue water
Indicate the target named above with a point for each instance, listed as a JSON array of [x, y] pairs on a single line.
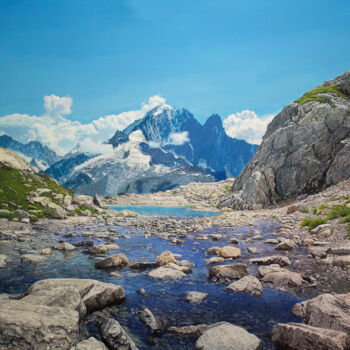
[[164, 211], [257, 315]]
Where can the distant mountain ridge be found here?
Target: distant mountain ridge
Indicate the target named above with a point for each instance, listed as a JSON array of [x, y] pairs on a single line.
[[41, 156], [208, 146]]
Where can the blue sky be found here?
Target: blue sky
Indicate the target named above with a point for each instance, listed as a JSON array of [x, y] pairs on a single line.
[[221, 56]]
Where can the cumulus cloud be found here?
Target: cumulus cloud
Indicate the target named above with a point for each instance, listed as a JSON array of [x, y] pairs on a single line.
[[178, 138], [246, 125], [56, 106], [61, 134]]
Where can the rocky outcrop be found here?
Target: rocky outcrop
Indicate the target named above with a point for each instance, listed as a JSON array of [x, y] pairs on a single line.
[[226, 336], [304, 149], [11, 160], [295, 336]]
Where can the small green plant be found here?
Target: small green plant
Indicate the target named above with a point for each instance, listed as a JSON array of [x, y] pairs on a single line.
[[227, 187], [274, 216], [335, 199], [345, 220], [337, 211], [304, 210], [313, 95], [311, 223]]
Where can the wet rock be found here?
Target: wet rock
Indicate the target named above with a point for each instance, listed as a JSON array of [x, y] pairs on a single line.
[[32, 258], [176, 241], [271, 241], [66, 296], [214, 260], [154, 323], [141, 291], [247, 284], [308, 241], [284, 277], [102, 248], [54, 211], [233, 241], [226, 336], [252, 250], [85, 244], [96, 295], [225, 252], [318, 252], [4, 260], [268, 260], [142, 265], [26, 326], [46, 251], [165, 272], [90, 344], [118, 260], [216, 236], [224, 273], [165, 258], [189, 331], [64, 246], [286, 244], [341, 261], [326, 311], [295, 336], [266, 269], [195, 297], [184, 268], [115, 336]]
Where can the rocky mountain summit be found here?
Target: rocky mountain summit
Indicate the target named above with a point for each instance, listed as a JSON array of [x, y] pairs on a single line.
[[305, 149]]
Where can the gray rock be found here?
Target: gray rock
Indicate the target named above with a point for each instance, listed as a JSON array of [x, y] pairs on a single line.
[[96, 295], [214, 260], [102, 248], [27, 326], [154, 324], [54, 211], [286, 244], [83, 201], [32, 258], [226, 273], [326, 311], [189, 331], [98, 201], [226, 336], [117, 260], [115, 336], [165, 272], [265, 269], [247, 284], [274, 259], [284, 277], [90, 344], [4, 260], [195, 297], [305, 149], [295, 336], [142, 265], [64, 246], [23, 214]]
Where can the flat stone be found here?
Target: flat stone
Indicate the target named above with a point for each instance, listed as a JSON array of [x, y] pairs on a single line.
[[214, 260], [118, 260], [266, 269], [32, 258], [284, 278], [164, 272], [248, 284], [227, 272], [195, 297], [64, 246], [268, 260]]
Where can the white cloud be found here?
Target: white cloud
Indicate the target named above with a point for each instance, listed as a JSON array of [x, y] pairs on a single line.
[[178, 138], [246, 125], [56, 106], [61, 134]]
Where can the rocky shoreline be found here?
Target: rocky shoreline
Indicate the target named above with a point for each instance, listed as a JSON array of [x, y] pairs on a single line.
[[309, 263]]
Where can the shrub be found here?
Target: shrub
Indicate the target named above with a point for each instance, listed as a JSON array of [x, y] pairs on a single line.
[[311, 223], [338, 211]]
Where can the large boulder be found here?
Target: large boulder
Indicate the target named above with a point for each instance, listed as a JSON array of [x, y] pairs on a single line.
[[90, 344], [226, 336], [326, 311], [11, 160], [283, 277], [248, 284], [96, 295], [117, 260], [226, 273], [305, 149], [54, 211], [32, 326], [295, 336]]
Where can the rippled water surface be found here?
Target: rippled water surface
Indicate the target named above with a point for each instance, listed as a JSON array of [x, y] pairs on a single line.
[[257, 315], [164, 211]]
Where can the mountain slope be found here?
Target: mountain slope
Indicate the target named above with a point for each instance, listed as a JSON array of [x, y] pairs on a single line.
[[42, 156], [207, 146], [306, 148]]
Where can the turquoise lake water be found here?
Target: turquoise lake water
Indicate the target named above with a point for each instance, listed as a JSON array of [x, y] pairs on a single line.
[[164, 211]]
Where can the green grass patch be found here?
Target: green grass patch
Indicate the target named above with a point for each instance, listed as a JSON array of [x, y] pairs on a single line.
[[227, 187], [311, 223], [304, 210], [345, 220], [81, 209], [337, 211], [313, 95]]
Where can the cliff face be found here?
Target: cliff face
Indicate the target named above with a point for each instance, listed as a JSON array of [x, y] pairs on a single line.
[[305, 149]]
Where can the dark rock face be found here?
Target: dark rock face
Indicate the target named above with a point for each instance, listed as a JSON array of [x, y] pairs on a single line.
[[304, 150]]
